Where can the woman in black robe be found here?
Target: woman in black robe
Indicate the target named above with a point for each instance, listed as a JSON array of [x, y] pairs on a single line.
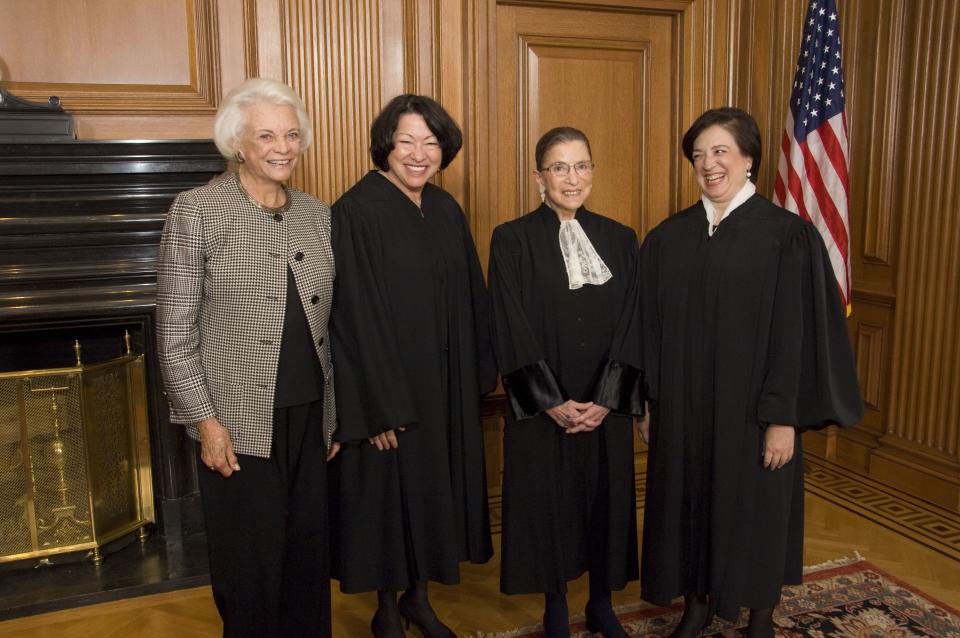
[[410, 335], [561, 278], [745, 347]]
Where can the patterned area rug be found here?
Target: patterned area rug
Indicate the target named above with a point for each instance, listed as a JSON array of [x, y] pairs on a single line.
[[853, 600]]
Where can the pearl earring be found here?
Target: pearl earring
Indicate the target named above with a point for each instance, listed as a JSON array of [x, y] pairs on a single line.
[[749, 174]]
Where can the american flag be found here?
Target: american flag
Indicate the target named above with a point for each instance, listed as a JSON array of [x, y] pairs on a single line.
[[812, 173]]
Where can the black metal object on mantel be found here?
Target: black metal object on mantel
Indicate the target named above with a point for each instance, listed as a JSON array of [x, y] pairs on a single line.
[[25, 121]]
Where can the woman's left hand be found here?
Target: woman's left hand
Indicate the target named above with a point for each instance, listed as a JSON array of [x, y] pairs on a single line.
[[778, 446], [589, 419]]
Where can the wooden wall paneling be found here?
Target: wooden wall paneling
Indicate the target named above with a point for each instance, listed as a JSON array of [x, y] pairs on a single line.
[[705, 34], [421, 28], [451, 88], [764, 60], [873, 37], [870, 39], [234, 42], [333, 61], [434, 54], [265, 44], [548, 60], [482, 142], [393, 38], [921, 441], [137, 70], [616, 74], [166, 61], [872, 48]]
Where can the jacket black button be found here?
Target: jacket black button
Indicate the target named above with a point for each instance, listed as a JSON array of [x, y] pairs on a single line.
[[278, 217], [320, 341], [298, 256], [315, 299]]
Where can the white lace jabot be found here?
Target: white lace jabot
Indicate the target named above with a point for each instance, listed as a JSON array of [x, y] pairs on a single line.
[[584, 265]]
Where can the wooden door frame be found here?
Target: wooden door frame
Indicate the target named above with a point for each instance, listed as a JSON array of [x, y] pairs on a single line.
[[704, 79]]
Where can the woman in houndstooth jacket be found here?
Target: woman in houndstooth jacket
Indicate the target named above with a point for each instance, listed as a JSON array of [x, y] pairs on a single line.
[[245, 279]]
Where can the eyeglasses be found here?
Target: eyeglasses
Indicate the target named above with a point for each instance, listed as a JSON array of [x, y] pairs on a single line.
[[560, 169]]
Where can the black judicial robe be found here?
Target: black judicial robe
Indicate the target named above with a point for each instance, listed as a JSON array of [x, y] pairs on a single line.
[[411, 348], [568, 499], [741, 330]]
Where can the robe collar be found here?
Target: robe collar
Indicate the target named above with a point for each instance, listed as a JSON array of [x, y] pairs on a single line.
[[745, 193]]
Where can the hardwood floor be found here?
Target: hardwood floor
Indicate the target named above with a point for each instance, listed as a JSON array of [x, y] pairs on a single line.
[[832, 532]]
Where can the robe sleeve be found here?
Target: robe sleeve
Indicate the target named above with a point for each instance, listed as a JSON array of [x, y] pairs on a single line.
[[372, 391], [620, 385], [811, 378], [528, 380]]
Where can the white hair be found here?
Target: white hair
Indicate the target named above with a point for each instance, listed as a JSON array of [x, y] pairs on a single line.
[[232, 114]]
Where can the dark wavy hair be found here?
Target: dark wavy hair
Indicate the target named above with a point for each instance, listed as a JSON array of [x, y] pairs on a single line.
[[438, 121], [558, 135], [741, 126]]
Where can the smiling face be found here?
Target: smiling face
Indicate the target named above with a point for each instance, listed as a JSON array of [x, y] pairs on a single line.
[[565, 194], [720, 166], [270, 144], [415, 157]]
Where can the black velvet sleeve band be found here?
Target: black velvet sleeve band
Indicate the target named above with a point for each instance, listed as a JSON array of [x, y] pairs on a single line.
[[620, 388], [532, 389]]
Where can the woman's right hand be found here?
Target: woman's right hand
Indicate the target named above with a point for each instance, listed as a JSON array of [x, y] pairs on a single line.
[[386, 440], [216, 449], [565, 413]]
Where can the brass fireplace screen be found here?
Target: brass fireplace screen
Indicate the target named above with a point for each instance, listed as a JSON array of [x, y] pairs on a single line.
[[74, 458]]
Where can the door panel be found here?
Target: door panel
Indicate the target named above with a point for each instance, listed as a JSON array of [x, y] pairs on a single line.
[[605, 72]]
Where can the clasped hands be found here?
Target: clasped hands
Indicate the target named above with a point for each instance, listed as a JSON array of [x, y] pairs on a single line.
[[577, 417]]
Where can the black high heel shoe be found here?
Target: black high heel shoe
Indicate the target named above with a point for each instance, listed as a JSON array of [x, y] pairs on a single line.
[[384, 626], [423, 617], [697, 616], [601, 620]]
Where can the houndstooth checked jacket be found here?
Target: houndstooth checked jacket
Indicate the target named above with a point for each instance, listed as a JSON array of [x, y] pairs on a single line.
[[221, 294]]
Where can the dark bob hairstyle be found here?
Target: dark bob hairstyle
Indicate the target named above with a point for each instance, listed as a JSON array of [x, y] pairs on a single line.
[[558, 135], [438, 121], [741, 126]]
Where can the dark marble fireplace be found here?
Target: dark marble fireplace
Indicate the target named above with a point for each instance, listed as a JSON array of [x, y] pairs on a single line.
[[80, 224]]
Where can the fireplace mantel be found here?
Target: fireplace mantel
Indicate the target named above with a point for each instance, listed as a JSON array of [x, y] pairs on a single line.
[[80, 223]]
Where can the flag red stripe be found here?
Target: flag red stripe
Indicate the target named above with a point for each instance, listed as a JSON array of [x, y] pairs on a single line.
[[795, 186], [831, 216], [834, 151]]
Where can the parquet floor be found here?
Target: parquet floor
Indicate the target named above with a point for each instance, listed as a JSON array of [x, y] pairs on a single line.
[[832, 532]]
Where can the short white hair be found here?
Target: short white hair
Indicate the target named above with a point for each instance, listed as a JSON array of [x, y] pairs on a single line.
[[232, 114]]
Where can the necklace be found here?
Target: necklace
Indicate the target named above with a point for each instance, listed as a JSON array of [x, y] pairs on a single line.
[[267, 209]]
